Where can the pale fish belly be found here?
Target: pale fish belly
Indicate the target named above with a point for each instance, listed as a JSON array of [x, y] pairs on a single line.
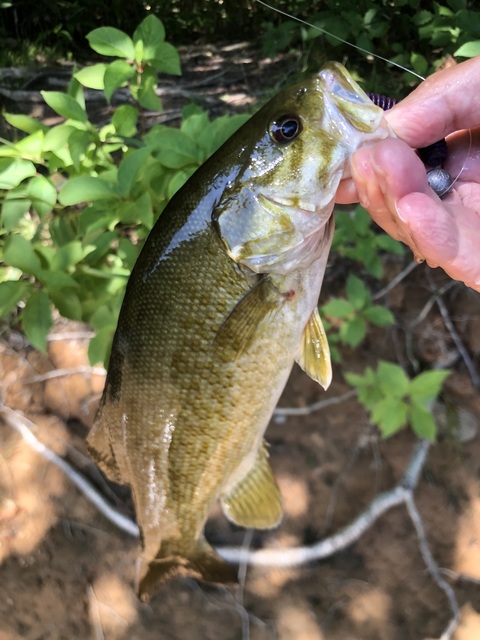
[[284, 336]]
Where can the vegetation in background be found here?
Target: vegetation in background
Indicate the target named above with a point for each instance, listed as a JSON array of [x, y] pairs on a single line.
[[62, 252], [416, 37]]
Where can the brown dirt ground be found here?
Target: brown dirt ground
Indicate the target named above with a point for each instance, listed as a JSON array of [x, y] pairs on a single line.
[[68, 573], [65, 572]]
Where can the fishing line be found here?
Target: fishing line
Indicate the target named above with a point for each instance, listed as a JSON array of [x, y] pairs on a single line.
[[332, 35], [375, 55]]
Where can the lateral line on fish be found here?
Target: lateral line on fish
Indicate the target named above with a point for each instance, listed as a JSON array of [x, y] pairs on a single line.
[[333, 35]]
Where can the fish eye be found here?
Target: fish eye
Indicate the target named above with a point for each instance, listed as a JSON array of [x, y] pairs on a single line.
[[285, 129]]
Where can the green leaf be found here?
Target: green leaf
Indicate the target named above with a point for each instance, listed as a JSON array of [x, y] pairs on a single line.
[[422, 422], [166, 59], [117, 74], [14, 207], [85, 189], [68, 303], [92, 76], [37, 319], [355, 379], [385, 242], [64, 105], [109, 41], [14, 170], [338, 308], [422, 17], [172, 147], [11, 292], [152, 34], [43, 195], [427, 385], [31, 146], [353, 331], [125, 120], [25, 123], [78, 144], [129, 168], [56, 281], [380, 316], [146, 95], [372, 263], [57, 138], [357, 293], [390, 414], [19, 253], [69, 255], [419, 63], [195, 124], [100, 345], [75, 90], [392, 379], [469, 49]]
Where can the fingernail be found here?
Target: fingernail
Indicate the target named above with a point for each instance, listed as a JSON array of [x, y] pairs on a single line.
[[403, 212]]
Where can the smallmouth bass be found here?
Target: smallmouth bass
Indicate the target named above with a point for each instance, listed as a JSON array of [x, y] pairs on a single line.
[[221, 302]]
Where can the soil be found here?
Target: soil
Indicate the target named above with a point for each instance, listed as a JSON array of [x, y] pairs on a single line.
[[66, 572]]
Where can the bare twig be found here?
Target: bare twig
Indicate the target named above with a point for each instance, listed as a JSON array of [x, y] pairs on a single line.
[[458, 342], [316, 406], [327, 547], [432, 567], [459, 577], [394, 281], [70, 335], [402, 493], [60, 373]]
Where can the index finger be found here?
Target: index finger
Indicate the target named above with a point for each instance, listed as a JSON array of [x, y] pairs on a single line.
[[445, 102]]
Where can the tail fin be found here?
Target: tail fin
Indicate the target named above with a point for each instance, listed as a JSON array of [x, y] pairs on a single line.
[[200, 562]]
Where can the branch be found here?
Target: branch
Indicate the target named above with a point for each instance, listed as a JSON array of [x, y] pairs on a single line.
[[402, 493], [24, 427], [316, 406], [345, 537]]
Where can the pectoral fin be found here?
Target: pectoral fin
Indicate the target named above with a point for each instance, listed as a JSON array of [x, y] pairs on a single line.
[[238, 330], [314, 357], [255, 501]]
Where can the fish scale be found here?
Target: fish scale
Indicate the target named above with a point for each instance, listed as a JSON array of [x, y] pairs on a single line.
[[221, 302]]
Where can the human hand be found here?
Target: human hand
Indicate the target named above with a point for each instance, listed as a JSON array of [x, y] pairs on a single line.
[[389, 179]]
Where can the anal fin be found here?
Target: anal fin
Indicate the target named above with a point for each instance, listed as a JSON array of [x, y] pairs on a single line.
[[314, 356], [255, 501]]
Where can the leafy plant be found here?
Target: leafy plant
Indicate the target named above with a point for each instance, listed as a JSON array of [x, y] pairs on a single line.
[[395, 400], [356, 238], [350, 316], [419, 40], [137, 62], [77, 199]]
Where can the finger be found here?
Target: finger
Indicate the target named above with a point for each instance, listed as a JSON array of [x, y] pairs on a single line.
[[383, 174], [346, 192], [445, 102], [464, 155], [445, 235]]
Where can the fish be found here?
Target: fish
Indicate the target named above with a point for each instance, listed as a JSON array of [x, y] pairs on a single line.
[[221, 302]]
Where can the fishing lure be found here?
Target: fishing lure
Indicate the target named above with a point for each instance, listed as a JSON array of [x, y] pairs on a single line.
[[433, 156]]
